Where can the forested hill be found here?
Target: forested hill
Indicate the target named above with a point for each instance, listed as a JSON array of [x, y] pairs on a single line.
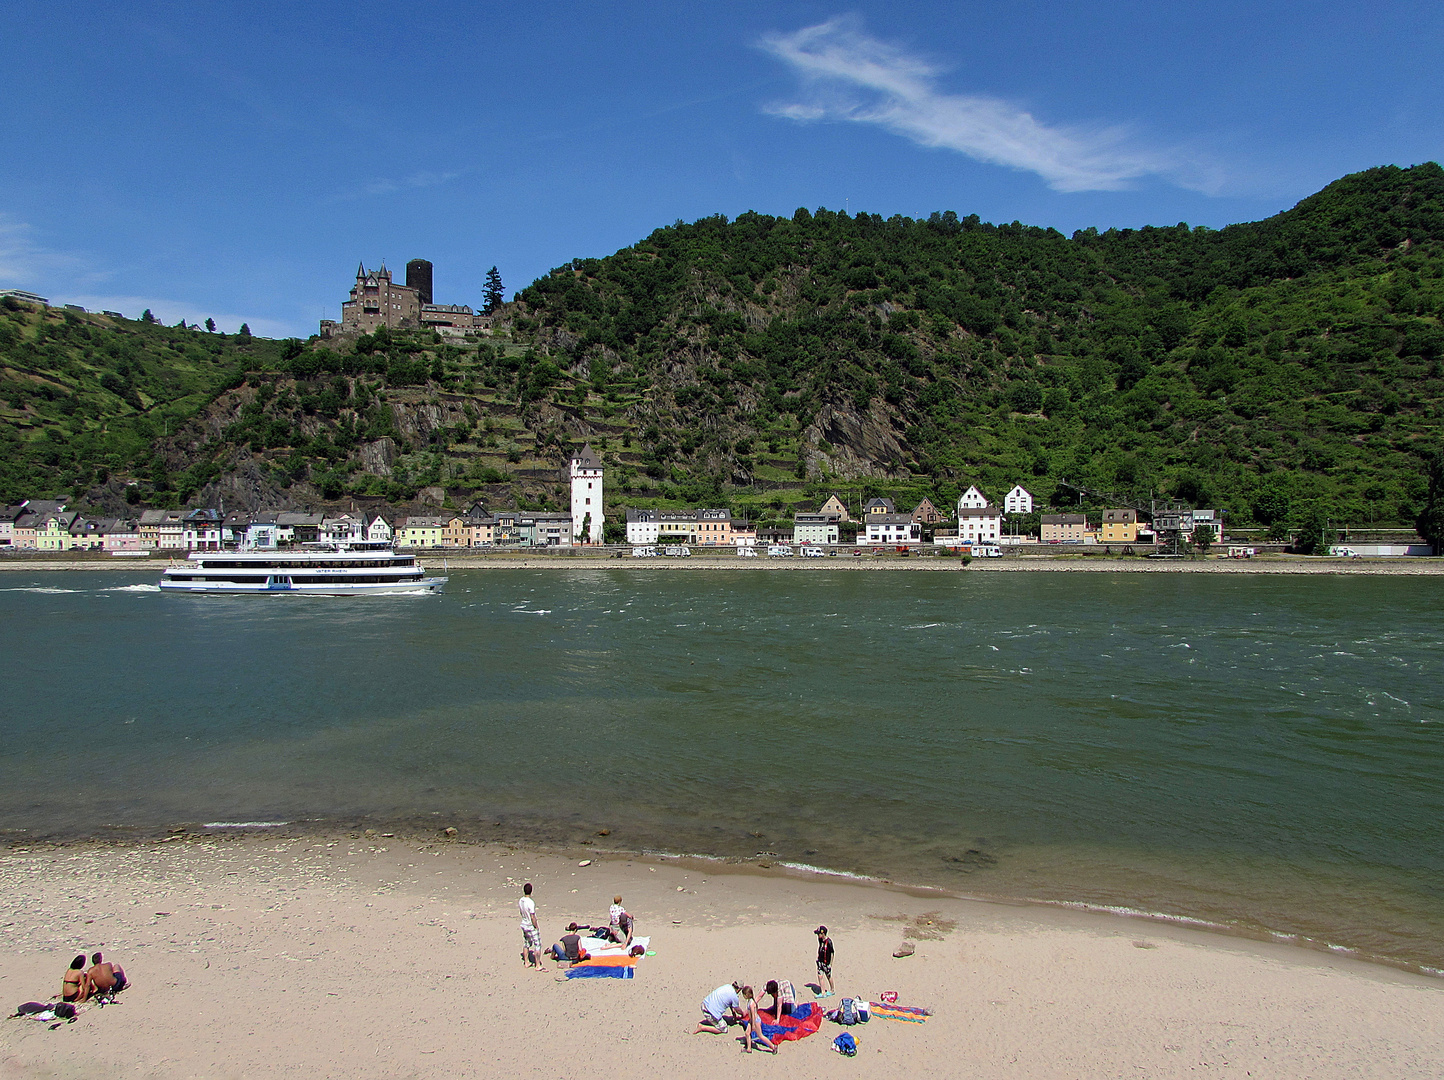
[[1274, 369], [1284, 361]]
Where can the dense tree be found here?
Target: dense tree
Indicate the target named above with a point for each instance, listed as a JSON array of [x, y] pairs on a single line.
[[1431, 519], [210, 326], [493, 294], [146, 316]]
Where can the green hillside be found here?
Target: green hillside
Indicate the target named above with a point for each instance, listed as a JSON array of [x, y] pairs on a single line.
[[1278, 369]]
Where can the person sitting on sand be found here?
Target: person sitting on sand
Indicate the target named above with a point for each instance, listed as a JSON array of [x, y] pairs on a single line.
[[784, 997], [76, 985], [718, 1007], [752, 1024], [621, 923], [569, 948], [105, 977]]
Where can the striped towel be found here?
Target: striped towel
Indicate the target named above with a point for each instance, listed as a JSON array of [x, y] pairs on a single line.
[[899, 1012], [604, 967]]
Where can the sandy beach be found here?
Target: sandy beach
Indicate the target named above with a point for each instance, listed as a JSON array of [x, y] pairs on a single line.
[[273, 953]]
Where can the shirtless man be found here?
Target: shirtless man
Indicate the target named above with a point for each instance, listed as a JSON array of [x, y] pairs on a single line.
[[76, 986], [105, 977]]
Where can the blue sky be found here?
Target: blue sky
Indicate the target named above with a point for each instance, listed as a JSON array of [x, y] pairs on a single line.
[[238, 160]]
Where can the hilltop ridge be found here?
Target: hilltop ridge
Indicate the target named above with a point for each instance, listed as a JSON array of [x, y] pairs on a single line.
[[1270, 368]]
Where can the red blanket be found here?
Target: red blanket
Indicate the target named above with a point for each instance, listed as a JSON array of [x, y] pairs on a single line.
[[804, 1021]]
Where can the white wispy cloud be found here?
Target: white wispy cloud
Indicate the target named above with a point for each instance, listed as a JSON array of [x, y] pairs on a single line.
[[23, 260], [413, 182], [850, 75]]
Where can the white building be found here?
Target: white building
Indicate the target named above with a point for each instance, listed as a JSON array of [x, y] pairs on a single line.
[[890, 529], [972, 499], [342, 529], [378, 530], [642, 526], [980, 525], [586, 497], [818, 528], [1018, 501]]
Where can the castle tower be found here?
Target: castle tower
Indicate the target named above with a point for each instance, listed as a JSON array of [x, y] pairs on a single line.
[[418, 277], [586, 497]]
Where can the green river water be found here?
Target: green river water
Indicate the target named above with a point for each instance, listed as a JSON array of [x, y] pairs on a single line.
[[1259, 753]]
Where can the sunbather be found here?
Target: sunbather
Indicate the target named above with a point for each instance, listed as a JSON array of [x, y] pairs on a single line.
[[569, 948], [76, 985], [105, 977]]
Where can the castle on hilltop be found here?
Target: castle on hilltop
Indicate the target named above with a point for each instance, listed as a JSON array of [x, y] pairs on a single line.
[[378, 300]]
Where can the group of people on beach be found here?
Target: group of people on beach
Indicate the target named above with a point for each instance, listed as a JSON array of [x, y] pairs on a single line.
[[101, 979], [736, 1003], [732, 1003], [617, 931]]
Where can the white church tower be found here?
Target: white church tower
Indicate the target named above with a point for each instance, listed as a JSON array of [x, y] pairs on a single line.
[[586, 497]]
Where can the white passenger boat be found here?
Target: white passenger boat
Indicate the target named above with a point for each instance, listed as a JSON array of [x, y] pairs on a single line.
[[357, 569]]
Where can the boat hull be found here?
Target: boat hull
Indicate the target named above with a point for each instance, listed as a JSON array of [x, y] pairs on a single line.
[[231, 588]]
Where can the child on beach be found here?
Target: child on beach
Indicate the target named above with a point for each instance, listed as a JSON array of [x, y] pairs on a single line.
[[530, 931], [824, 961], [621, 923], [752, 1024]]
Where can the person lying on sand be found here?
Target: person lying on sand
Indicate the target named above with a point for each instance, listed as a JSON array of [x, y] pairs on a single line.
[[752, 1019], [76, 985], [718, 1007], [105, 977]]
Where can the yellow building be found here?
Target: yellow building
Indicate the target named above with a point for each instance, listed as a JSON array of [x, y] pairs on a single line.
[[421, 532], [53, 533], [1119, 527]]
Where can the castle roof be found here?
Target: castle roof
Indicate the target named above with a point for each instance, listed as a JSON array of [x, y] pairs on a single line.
[[585, 458]]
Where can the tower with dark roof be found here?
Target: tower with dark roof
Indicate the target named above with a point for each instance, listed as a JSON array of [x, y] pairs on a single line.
[[586, 475]]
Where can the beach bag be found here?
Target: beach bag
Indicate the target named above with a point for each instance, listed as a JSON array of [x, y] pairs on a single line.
[[30, 1008], [864, 1011], [845, 1044], [848, 1015]]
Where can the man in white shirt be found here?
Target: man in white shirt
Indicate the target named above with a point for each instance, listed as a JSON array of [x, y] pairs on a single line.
[[717, 1007], [530, 931]]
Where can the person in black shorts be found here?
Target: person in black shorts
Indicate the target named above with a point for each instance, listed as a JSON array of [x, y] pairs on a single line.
[[824, 961]]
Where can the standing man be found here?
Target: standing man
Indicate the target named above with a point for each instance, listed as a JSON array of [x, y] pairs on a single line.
[[530, 931], [824, 960]]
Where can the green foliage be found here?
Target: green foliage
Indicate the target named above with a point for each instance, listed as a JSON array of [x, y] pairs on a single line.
[[1278, 370], [1263, 366]]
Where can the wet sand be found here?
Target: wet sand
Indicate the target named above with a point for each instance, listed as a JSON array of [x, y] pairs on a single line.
[[275, 953]]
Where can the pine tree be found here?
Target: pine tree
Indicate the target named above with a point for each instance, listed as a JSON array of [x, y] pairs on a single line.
[[245, 330], [493, 295], [211, 326], [146, 316]]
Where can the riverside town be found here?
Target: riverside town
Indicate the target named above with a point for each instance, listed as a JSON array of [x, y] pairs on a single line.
[[975, 526]]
